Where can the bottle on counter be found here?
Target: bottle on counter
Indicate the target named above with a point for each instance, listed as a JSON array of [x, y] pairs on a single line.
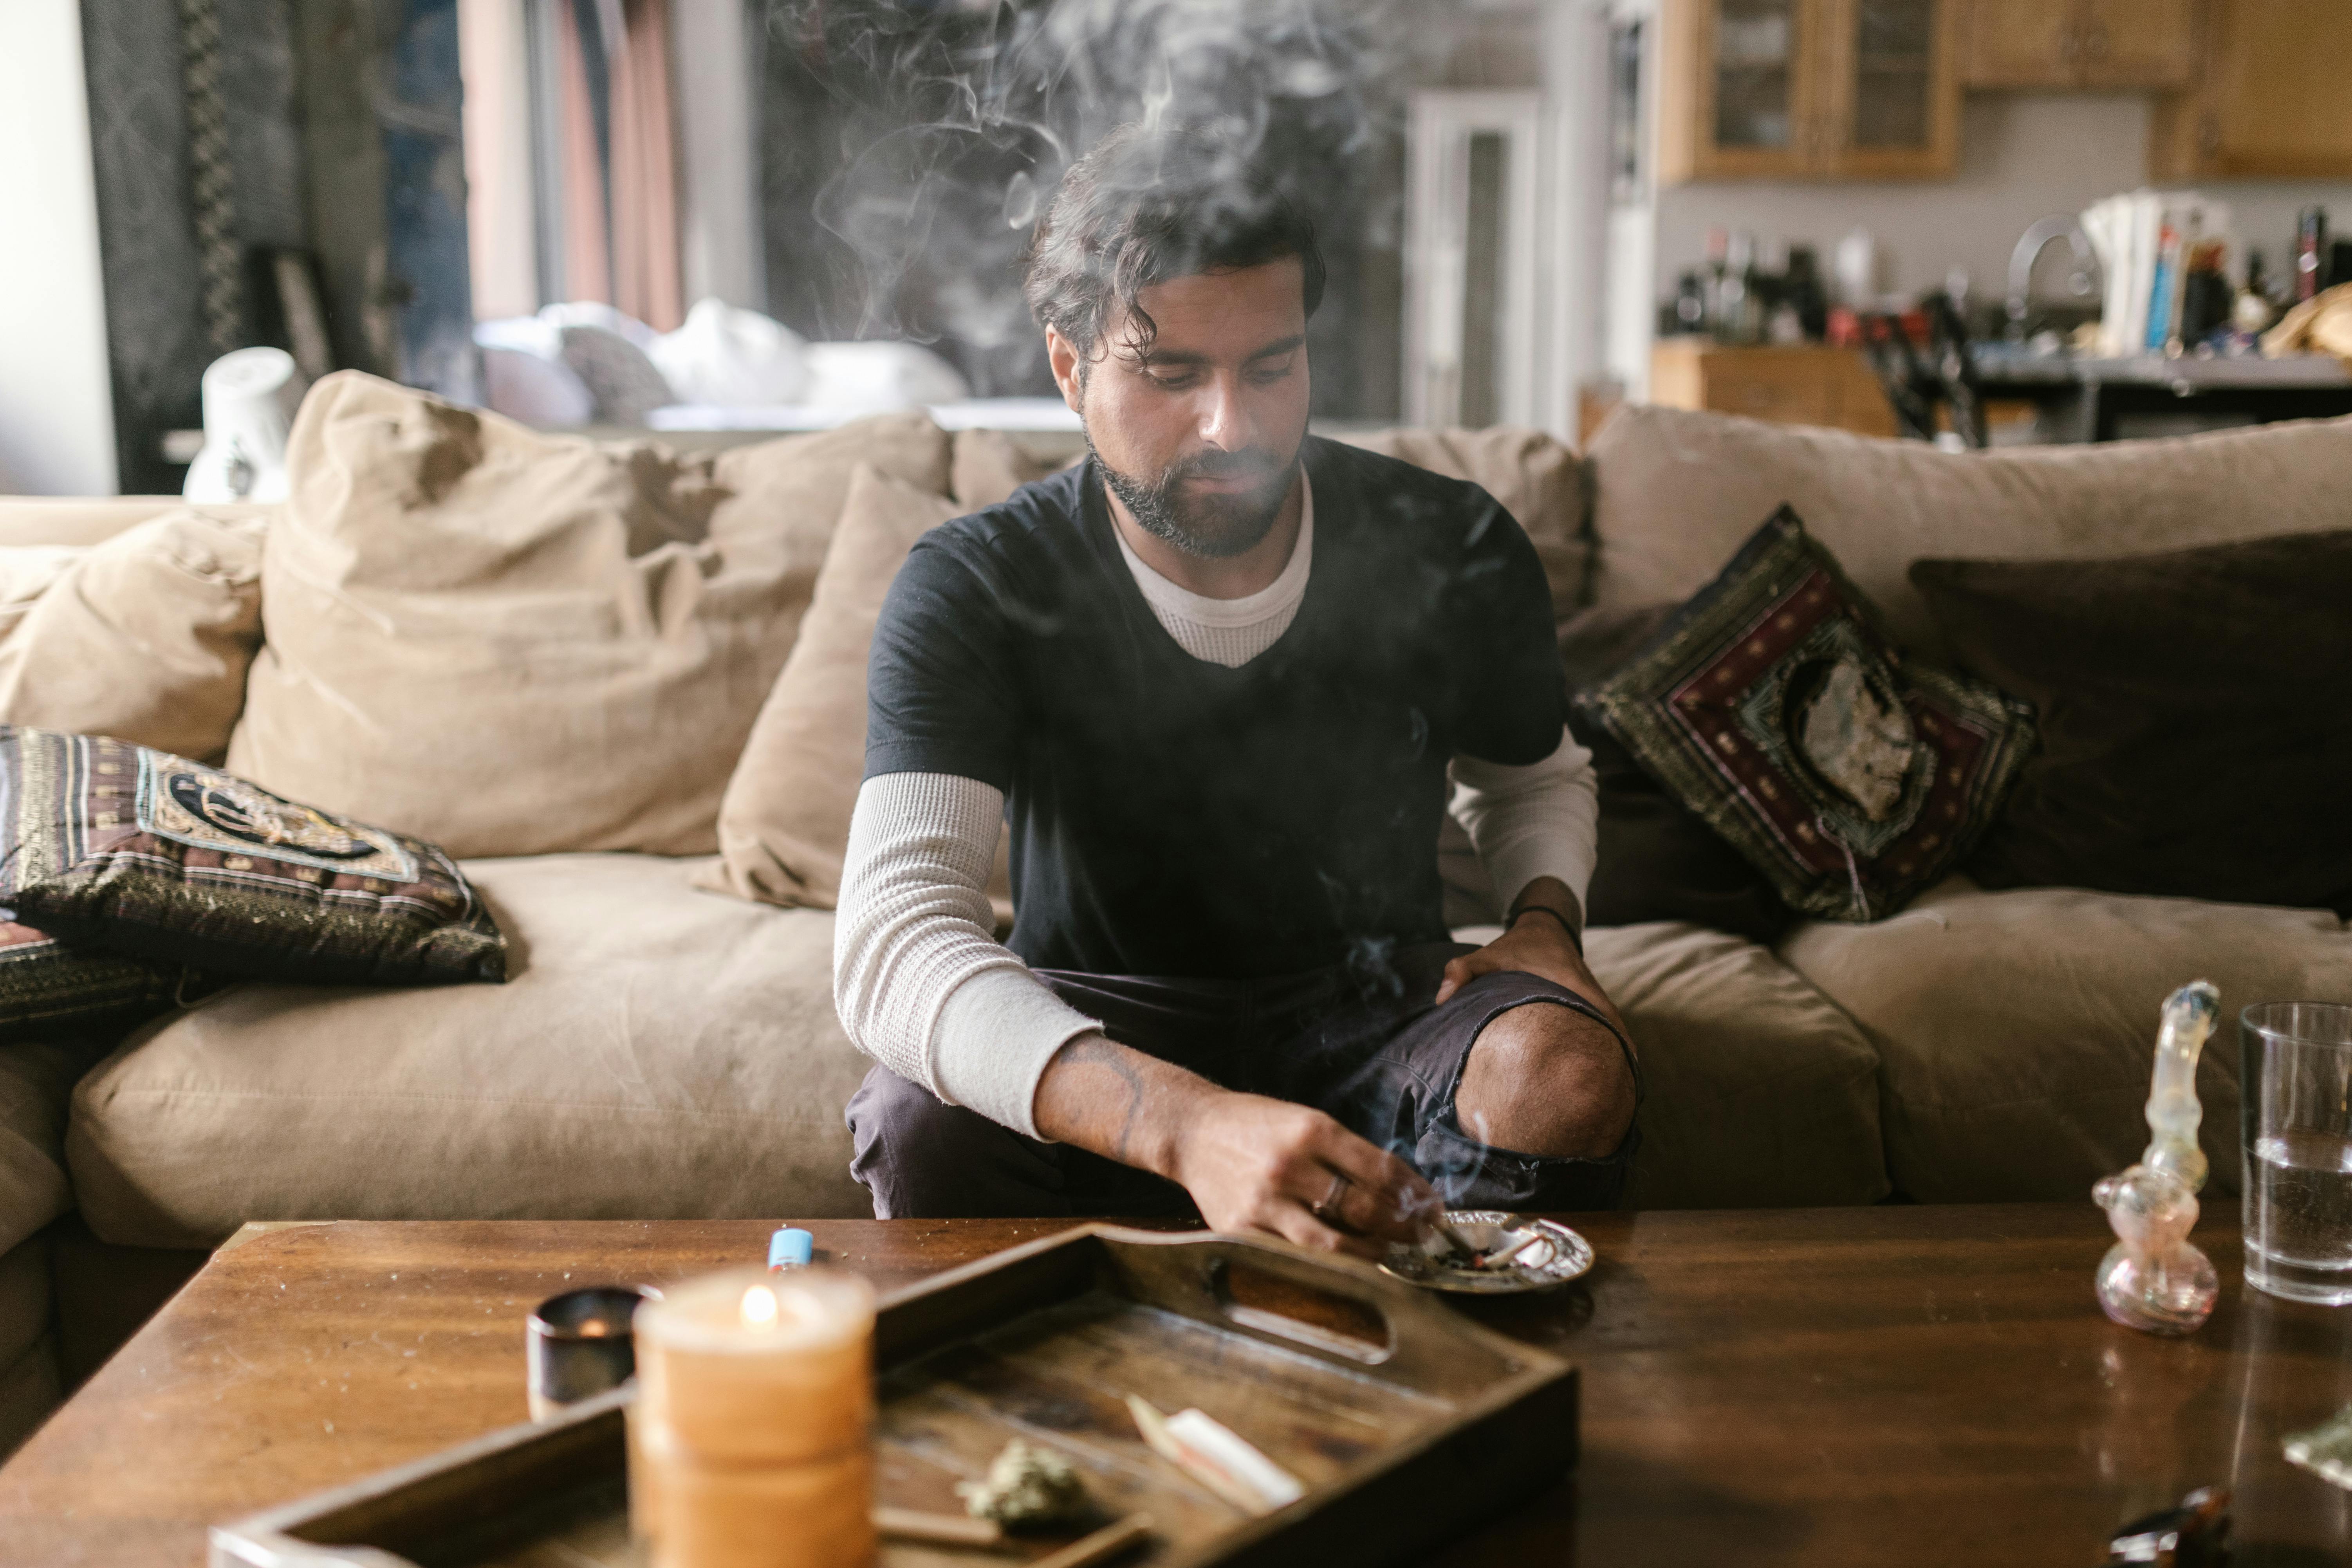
[[1806, 294], [2206, 305], [1719, 266], [2310, 252], [1740, 317], [1688, 308], [2251, 312]]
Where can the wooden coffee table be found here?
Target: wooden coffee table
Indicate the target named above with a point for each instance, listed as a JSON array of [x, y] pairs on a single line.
[[1831, 1387]]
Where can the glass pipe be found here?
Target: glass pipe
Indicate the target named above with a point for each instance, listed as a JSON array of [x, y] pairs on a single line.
[[2173, 1111], [2155, 1278]]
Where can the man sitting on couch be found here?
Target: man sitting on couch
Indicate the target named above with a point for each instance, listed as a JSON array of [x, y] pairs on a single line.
[[1219, 672]]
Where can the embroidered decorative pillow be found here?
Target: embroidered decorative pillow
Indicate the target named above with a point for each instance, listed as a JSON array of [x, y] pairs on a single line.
[[47, 989], [140, 853], [1774, 706]]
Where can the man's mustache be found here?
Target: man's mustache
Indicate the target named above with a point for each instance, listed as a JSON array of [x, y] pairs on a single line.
[[1223, 465]]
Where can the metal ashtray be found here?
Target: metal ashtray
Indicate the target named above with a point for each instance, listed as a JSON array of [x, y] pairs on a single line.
[[1547, 1255]]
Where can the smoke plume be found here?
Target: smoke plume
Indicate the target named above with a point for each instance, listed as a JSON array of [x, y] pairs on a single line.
[[950, 121]]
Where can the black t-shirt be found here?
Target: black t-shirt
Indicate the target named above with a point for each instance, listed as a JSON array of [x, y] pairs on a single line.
[[1172, 816]]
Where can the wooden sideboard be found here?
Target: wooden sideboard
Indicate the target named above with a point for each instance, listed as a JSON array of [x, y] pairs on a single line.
[[1806, 384]]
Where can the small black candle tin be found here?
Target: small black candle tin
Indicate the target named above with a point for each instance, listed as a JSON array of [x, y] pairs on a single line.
[[579, 1344]]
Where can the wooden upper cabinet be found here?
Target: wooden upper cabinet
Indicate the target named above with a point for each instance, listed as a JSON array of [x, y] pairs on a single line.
[[2082, 44], [2023, 43], [2138, 43], [2271, 99], [1809, 89]]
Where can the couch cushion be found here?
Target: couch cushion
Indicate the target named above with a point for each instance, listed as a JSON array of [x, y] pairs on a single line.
[[87, 519], [30, 1389], [509, 643], [988, 466], [1760, 1093], [146, 636], [1675, 492], [36, 1083], [783, 825], [660, 1052], [2015, 1030], [27, 1292], [2191, 703]]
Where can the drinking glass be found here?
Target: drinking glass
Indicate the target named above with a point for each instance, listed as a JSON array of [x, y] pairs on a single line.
[[2296, 1080]]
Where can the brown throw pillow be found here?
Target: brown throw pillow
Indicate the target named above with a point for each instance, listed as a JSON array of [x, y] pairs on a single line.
[[49, 989], [146, 636], [1658, 859], [784, 828], [124, 849], [517, 644], [2195, 740], [1773, 705]]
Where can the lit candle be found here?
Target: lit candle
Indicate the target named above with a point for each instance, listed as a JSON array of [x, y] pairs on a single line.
[[752, 1428]]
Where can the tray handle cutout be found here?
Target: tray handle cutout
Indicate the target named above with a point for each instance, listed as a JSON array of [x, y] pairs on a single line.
[[1260, 1294]]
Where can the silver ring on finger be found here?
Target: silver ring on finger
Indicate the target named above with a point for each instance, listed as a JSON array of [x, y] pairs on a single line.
[[1329, 1208]]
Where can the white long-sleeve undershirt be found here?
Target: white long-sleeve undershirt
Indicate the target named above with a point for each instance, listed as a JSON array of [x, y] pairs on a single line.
[[919, 980]]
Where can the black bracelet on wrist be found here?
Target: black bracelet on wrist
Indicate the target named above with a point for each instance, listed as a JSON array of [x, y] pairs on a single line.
[[1575, 937]]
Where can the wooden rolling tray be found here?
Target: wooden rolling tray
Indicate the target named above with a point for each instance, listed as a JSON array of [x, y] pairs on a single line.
[[1405, 1421]]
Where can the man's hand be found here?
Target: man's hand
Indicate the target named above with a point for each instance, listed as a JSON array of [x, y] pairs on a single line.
[[1253, 1164], [1266, 1165], [1535, 943]]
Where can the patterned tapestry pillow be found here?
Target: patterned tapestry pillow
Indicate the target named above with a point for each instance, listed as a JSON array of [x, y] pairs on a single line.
[[48, 990], [114, 846], [1773, 705]]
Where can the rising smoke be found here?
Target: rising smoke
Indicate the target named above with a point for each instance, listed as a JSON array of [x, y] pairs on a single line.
[[950, 122]]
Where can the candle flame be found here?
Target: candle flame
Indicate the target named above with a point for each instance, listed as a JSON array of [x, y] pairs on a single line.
[[759, 1308], [594, 1329]]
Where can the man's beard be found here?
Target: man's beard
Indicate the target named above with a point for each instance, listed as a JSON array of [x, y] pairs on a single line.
[[1211, 527]]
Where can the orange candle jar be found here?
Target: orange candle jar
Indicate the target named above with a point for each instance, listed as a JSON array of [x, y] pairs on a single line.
[[752, 1434]]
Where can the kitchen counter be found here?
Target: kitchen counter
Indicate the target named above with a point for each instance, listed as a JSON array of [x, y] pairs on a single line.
[[2096, 399]]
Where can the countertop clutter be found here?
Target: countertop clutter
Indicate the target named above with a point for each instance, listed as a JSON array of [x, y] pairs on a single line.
[[2166, 320]]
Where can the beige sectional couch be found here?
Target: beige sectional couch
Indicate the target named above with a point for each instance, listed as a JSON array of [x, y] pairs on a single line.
[[664, 1050]]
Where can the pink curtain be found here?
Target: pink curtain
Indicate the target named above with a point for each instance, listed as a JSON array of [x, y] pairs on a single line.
[[645, 281], [587, 255]]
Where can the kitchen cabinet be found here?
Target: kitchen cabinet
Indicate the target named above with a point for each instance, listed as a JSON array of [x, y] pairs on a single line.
[[2270, 99], [1852, 89], [2082, 44], [1808, 384]]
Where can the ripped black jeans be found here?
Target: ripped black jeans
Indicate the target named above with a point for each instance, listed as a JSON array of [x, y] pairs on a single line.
[[1374, 1052]]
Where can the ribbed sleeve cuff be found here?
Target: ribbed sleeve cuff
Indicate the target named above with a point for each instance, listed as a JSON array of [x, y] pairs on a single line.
[[997, 1032]]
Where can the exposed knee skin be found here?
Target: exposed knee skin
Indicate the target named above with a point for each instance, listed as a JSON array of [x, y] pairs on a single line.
[[1544, 1078]]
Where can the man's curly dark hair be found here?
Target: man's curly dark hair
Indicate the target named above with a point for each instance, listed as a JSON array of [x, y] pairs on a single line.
[[1147, 204]]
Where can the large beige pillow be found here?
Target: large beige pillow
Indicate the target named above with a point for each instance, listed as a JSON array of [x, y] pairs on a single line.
[[146, 636], [784, 826], [514, 644], [989, 465], [1539, 481], [1676, 492]]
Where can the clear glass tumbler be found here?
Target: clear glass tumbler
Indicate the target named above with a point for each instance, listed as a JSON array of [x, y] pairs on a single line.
[[2296, 1080]]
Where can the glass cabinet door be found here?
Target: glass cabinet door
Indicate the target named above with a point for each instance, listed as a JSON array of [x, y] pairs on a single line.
[[1896, 83], [1755, 68]]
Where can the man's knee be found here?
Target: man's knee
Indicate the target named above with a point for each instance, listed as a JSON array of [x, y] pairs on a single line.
[[919, 1157], [1543, 1078]]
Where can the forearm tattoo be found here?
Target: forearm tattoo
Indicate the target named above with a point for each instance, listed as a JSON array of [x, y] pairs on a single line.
[[1104, 1052]]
